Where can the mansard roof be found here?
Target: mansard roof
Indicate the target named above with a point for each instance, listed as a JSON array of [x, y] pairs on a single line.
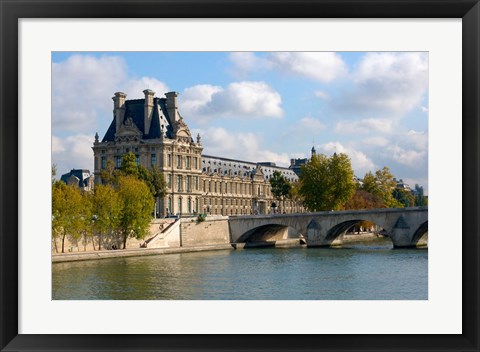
[[244, 168], [82, 175], [135, 109]]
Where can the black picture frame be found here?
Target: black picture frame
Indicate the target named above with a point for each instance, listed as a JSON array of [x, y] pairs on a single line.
[[11, 11]]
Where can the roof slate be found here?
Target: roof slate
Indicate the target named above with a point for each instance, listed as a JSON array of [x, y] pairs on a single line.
[[135, 110]]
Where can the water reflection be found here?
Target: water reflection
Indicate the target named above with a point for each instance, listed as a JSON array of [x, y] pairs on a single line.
[[357, 271]]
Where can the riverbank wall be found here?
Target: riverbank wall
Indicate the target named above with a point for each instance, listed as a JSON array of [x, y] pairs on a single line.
[[164, 236]]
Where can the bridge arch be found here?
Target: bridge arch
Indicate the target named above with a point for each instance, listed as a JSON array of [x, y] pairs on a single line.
[[420, 237], [341, 228], [269, 232]]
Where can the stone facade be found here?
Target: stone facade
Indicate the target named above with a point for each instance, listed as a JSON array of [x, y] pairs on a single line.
[[153, 129]]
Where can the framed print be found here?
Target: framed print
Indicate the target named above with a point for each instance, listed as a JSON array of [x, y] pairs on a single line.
[[47, 51]]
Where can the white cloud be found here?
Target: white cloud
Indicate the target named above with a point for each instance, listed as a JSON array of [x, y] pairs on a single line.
[[408, 157], [135, 87], [246, 61], [375, 141], [217, 141], [322, 95], [368, 125], [82, 86], [239, 99], [388, 82], [424, 109], [321, 66], [361, 163], [72, 152], [310, 124]]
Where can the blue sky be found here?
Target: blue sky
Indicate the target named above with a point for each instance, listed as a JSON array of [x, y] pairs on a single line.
[[257, 106]]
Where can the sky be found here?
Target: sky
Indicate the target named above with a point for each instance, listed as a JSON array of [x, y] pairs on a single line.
[[257, 106]]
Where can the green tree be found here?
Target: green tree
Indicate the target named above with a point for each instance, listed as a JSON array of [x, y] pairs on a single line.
[[67, 203], [107, 209], [129, 165], [420, 199], [85, 213], [404, 197], [109, 175], [326, 183], [137, 203], [155, 181], [382, 184], [280, 186]]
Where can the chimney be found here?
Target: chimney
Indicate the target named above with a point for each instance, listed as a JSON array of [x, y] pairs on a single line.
[[148, 109], [119, 108], [172, 106]]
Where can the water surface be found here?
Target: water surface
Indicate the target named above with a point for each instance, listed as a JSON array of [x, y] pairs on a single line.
[[355, 272]]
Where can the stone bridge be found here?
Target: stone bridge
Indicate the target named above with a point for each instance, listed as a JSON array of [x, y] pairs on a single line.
[[404, 226]]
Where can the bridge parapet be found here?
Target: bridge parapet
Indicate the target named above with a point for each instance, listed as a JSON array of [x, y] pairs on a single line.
[[405, 226]]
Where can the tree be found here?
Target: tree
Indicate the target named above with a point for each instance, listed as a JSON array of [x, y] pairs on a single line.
[[85, 213], [107, 208], [326, 183], [137, 203], [420, 199], [109, 175], [129, 165], [54, 173], [67, 206], [155, 181], [382, 185], [364, 200], [280, 187], [404, 197]]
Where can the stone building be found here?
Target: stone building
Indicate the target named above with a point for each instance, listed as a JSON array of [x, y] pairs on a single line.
[[79, 177], [153, 129]]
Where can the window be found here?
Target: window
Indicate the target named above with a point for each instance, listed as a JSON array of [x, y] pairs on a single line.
[[236, 189], [189, 205], [195, 181], [196, 205], [179, 183], [215, 187], [104, 162], [137, 159], [179, 162], [180, 205], [169, 160], [187, 162], [118, 162], [169, 209], [195, 163], [153, 159], [169, 181], [188, 187]]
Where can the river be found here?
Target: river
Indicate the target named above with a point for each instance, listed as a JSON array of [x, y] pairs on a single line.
[[357, 271]]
